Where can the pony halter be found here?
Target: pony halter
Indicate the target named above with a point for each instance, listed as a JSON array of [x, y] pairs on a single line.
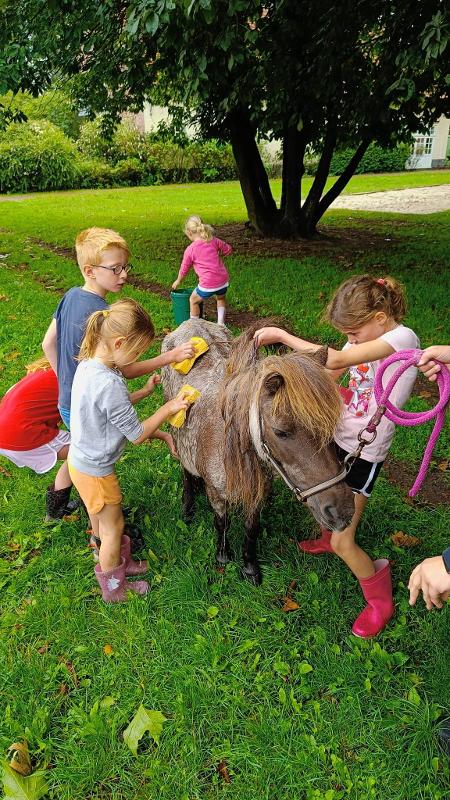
[[301, 494]]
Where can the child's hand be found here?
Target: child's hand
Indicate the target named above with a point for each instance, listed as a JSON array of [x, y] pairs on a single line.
[[185, 350], [177, 404], [176, 284], [151, 383], [168, 439], [426, 364], [266, 336]]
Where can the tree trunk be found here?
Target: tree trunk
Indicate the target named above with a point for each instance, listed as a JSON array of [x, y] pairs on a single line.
[[307, 222], [294, 145], [343, 179], [261, 207]]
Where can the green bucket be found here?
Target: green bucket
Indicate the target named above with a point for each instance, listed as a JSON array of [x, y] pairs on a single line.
[[180, 305]]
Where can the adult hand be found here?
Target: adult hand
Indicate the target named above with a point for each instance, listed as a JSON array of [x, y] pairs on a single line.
[[428, 366], [265, 336], [432, 579], [185, 350]]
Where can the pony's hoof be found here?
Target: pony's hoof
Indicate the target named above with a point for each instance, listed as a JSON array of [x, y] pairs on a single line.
[[223, 557], [252, 574]]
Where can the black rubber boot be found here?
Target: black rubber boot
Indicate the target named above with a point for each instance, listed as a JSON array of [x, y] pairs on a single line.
[[56, 503], [444, 736]]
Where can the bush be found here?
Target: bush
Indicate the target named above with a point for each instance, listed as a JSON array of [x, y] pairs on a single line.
[[93, 173], [36, 156], [375, 159], [55, 106]]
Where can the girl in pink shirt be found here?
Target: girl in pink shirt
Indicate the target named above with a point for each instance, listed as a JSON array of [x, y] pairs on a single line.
[[204, 254], [369, 311]]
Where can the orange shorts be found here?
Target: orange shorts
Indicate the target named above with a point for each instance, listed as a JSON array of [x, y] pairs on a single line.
[[94, 491]]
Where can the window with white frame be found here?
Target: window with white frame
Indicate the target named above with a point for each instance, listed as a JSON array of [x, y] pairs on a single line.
[[423, 145]]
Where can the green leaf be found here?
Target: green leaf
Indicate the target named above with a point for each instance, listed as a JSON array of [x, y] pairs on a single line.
[[212, 612], [304, 667], [282, 695], [17, 787], [142, 722], [414, 696]]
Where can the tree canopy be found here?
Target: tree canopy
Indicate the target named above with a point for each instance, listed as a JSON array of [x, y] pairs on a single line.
[[312, 73]]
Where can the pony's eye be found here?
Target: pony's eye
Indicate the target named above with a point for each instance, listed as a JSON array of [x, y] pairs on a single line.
[[281, 434]]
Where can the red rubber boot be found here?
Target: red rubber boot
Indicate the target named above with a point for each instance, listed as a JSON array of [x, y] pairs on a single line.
[[131, 567], [317, 546], [377, 591], [114, 586]]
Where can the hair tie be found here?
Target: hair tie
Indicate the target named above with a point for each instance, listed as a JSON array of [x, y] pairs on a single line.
[[105, 314], [381, 281]]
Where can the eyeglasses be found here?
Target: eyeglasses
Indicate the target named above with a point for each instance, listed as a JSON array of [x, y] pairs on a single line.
[[117, 268]]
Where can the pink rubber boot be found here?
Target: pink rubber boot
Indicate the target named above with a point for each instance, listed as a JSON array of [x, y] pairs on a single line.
[[131, 567], [317, 546], [114, 586], [377, 591]]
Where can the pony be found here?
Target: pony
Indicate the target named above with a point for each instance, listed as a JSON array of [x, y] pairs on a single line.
[[256, 417]]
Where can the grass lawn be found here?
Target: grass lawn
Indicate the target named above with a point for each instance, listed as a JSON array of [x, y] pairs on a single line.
[[284, 706]]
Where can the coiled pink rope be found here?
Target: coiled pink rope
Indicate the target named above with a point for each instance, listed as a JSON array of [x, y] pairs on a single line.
[[411, 418]]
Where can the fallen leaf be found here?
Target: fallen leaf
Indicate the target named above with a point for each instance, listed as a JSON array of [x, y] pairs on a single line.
[[3, 297], [5, 472], [444, 465], [70, 669], [401, 539], [63, 689], [70, 517], [12, 355], [425, 394], [144, 720], [17, 787], [292, 586], [44, 648], [108, 650], [19, 758], [289, 605], [222, 769]]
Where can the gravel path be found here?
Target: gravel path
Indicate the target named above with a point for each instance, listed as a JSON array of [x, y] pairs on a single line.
[[426, 200]]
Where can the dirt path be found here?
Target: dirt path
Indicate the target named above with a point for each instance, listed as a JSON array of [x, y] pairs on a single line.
[[425, 200]]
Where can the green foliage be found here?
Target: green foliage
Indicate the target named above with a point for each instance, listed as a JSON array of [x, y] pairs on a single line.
[[292, 704], [36, 156], [375, 159], [54, 106]]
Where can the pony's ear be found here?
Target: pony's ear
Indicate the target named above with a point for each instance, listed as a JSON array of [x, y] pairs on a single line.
[[321, 355], [273, 382]]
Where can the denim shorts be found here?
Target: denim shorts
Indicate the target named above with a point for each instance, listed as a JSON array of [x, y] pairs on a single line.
[[204, 294], [65, 416]]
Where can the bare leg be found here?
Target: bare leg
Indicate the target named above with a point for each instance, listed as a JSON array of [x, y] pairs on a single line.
[[62, 479], [345, 547], [110, 525], [221, 309], [194, 305], [251, 569]]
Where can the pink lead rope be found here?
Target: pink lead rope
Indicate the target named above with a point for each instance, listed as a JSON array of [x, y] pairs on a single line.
[[411, 418]]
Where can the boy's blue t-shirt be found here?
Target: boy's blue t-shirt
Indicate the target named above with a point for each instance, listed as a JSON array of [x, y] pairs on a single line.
[[71, 317]]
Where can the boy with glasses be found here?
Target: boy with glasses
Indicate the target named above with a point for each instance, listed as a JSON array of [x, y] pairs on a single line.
[[102, 256]]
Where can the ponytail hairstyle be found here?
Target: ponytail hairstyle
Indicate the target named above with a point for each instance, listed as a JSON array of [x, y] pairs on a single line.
[[35, 366], [195, 227], [358, 299], [124, 318]]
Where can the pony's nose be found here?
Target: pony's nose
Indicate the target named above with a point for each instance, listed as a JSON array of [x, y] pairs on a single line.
[[335, 519]]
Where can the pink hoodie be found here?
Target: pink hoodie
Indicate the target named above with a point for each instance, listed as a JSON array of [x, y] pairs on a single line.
[[205, 258]]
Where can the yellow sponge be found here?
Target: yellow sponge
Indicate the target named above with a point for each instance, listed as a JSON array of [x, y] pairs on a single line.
[[178, 419], [200, 347]]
